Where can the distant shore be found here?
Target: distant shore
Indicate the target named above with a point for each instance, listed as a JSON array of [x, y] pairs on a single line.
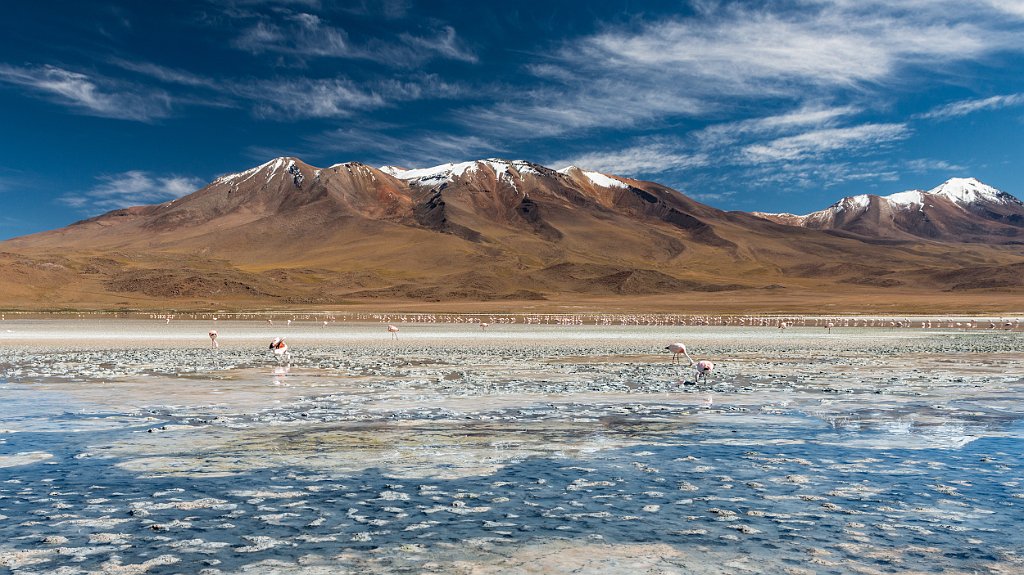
[[770, 302], [1013, 321]]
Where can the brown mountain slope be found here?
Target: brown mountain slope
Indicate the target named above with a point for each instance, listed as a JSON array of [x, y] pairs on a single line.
[[287, 233]]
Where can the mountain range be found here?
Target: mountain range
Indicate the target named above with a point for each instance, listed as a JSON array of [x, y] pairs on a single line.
[[959, 210], [286, 233]]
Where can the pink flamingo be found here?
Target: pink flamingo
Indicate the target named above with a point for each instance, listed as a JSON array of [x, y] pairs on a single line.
[[830, 325], [676, 349], [484, 325], [280, 348], [393, 330], [213, 338], [704, 367]]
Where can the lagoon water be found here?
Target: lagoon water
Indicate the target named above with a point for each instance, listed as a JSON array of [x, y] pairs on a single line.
[[133, 446]]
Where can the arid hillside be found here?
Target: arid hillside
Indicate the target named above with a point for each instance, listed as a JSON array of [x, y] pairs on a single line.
[[500, 234]]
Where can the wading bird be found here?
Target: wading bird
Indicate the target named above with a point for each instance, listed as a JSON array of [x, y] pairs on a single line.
[[213, 338], [676, 349], [393, 330], [280, 348], [704, 367]]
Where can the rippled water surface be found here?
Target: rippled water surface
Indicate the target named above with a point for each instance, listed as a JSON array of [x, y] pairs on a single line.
[[136, 447]]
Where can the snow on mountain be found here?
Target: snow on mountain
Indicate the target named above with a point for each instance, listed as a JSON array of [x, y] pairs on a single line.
[[270, 168], [970, 191], [596, 178], [503, 169], [852, 203], [965, 192], [430, 176], [911, 198], [960, 209]]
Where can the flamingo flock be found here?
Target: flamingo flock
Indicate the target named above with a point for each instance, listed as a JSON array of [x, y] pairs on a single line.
[[621, 319], [702, 369]]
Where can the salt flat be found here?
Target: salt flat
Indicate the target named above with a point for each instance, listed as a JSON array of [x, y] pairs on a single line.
[[134, 446]]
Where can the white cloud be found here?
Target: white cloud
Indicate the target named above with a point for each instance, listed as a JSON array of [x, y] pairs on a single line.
[[303, 35], [817, 142], [306, 98], [743, 51], [410, 150], [807, 115], [163, 73], [605, 103], [445, 44], [734, 55], [92, 95], [291, 98], [654, 158], [965, 107], [131, 188], [1011, 7], [925, 165], [711, 196], [306, 35]]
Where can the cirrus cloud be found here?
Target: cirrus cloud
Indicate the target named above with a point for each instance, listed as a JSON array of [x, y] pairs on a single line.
[[131, 188], [92, 95]]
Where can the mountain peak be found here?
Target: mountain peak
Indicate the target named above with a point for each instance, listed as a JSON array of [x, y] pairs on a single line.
[[270, 168], [448, 172], [852, 202], [969, 191], [596, 178]]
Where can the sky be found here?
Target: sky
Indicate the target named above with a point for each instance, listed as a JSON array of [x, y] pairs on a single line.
[[781, 106]]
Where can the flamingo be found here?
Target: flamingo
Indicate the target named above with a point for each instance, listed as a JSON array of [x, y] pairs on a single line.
[[830, 325], [676, 349], [213, 338], [393, 330], [484, 325], [704, 367], [280, 348]]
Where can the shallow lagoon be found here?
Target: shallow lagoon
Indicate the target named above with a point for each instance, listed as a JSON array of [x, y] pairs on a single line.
[[134, 447]]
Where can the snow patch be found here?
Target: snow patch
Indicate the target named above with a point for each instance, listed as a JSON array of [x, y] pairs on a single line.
[[852, 203], [596, 178], [966, 191], [270, 167], [430, 176], [503, 169], [911, 198]]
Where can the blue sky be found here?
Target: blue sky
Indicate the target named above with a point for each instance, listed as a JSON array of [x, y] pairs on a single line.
[[775, 106]]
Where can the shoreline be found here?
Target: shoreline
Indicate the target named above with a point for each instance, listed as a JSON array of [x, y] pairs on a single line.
[[960, 321]]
